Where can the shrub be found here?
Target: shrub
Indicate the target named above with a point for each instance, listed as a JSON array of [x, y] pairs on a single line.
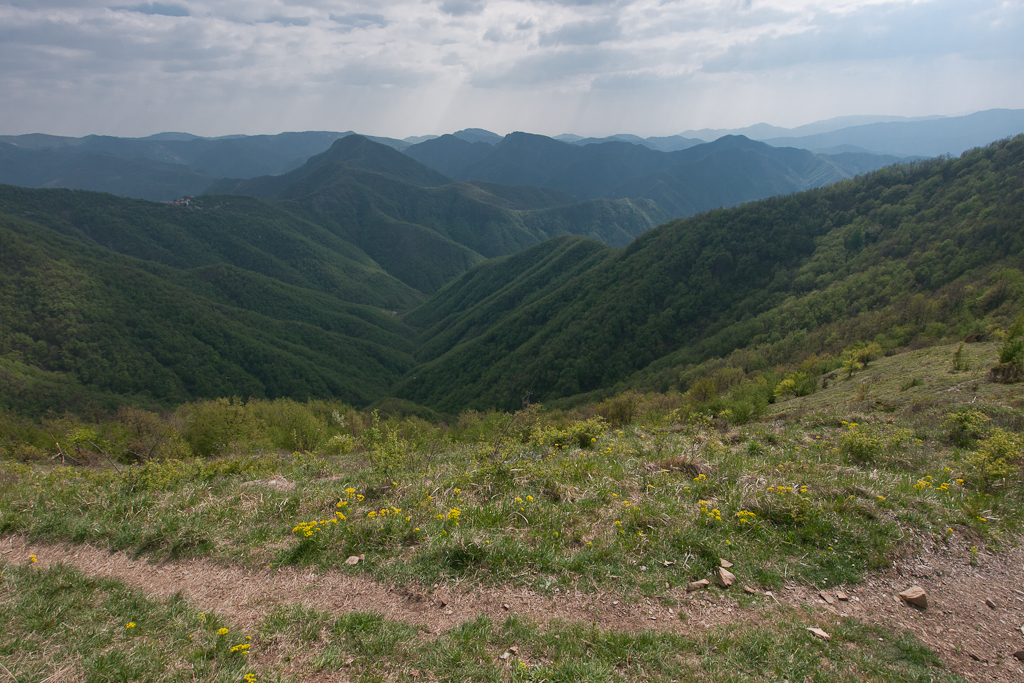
[[996, 458], [389, 452], [581, 433], [966, 427], [1011, 356], [620, 410], [213, 427], [290, 425]]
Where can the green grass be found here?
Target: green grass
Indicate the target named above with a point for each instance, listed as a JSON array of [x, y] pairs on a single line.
[[64, 623], [826, 489], [820, 495], [59, 622]]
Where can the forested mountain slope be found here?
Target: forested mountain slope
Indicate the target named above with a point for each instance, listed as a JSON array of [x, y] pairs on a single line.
[[84, 325], [900, 254], [238, 231], [425, 229]]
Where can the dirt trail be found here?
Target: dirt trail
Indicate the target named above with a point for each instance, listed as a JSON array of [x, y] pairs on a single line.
[[973, 639]]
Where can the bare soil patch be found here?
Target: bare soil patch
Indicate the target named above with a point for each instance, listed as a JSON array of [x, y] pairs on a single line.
[[973, 638]]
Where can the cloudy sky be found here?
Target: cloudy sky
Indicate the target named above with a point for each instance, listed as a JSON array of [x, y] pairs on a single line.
[[413, 67]]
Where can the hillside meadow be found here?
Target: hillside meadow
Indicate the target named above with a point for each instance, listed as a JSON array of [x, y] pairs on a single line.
[[628, 501]]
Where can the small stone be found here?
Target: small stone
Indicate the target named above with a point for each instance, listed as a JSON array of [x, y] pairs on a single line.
[[749, 591], [819, 633], [353, 559], [842, 596], [990, 602], [1019, 654], [697, 585], [505, 655], [506, 607], [827, 598], [916, 596], [724, 577], [725, 563]]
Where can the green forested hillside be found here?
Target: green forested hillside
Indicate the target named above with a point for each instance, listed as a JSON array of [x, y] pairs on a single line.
[[240, 231], [106, 300], [426, 230], [907, 253], [83, 324]]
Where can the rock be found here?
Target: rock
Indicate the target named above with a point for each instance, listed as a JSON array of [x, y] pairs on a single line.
[[842, 596], [725, 563], [505, 655], [749, 591], [990, 603], [354, 559], [827, 598], [724, 577], [819, 633], [1019, 654], [916, 596], [697, 585], [506, 607]]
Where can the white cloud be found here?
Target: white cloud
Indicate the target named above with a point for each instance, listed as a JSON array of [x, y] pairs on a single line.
[[404, 67]]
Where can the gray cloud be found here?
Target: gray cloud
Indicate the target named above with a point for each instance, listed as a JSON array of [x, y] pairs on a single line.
[[582, 33], [159, 8], [360, 20], [551, 67], [919, 31], [286, 21], [458, 8]]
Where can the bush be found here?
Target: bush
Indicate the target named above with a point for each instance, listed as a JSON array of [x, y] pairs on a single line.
[[389, 452], [290, 425], [215, 426], [997, 458], [582, 434], [620, 410], [966, 427]]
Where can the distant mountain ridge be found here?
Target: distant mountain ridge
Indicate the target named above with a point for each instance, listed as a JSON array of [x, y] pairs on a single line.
[[684, 182]]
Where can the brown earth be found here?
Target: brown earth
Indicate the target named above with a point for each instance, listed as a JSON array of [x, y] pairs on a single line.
[[973, 639]]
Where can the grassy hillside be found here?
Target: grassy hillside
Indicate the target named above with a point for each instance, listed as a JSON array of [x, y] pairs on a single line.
[[908, 253], [532, 546]]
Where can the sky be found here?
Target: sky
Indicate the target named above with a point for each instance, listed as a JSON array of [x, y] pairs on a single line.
[[414, 67]]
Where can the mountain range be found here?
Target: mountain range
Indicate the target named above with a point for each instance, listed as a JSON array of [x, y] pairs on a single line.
[[352, 277], [167, 166]]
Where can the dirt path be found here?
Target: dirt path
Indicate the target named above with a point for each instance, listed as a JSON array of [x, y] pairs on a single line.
[[973, 639]]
